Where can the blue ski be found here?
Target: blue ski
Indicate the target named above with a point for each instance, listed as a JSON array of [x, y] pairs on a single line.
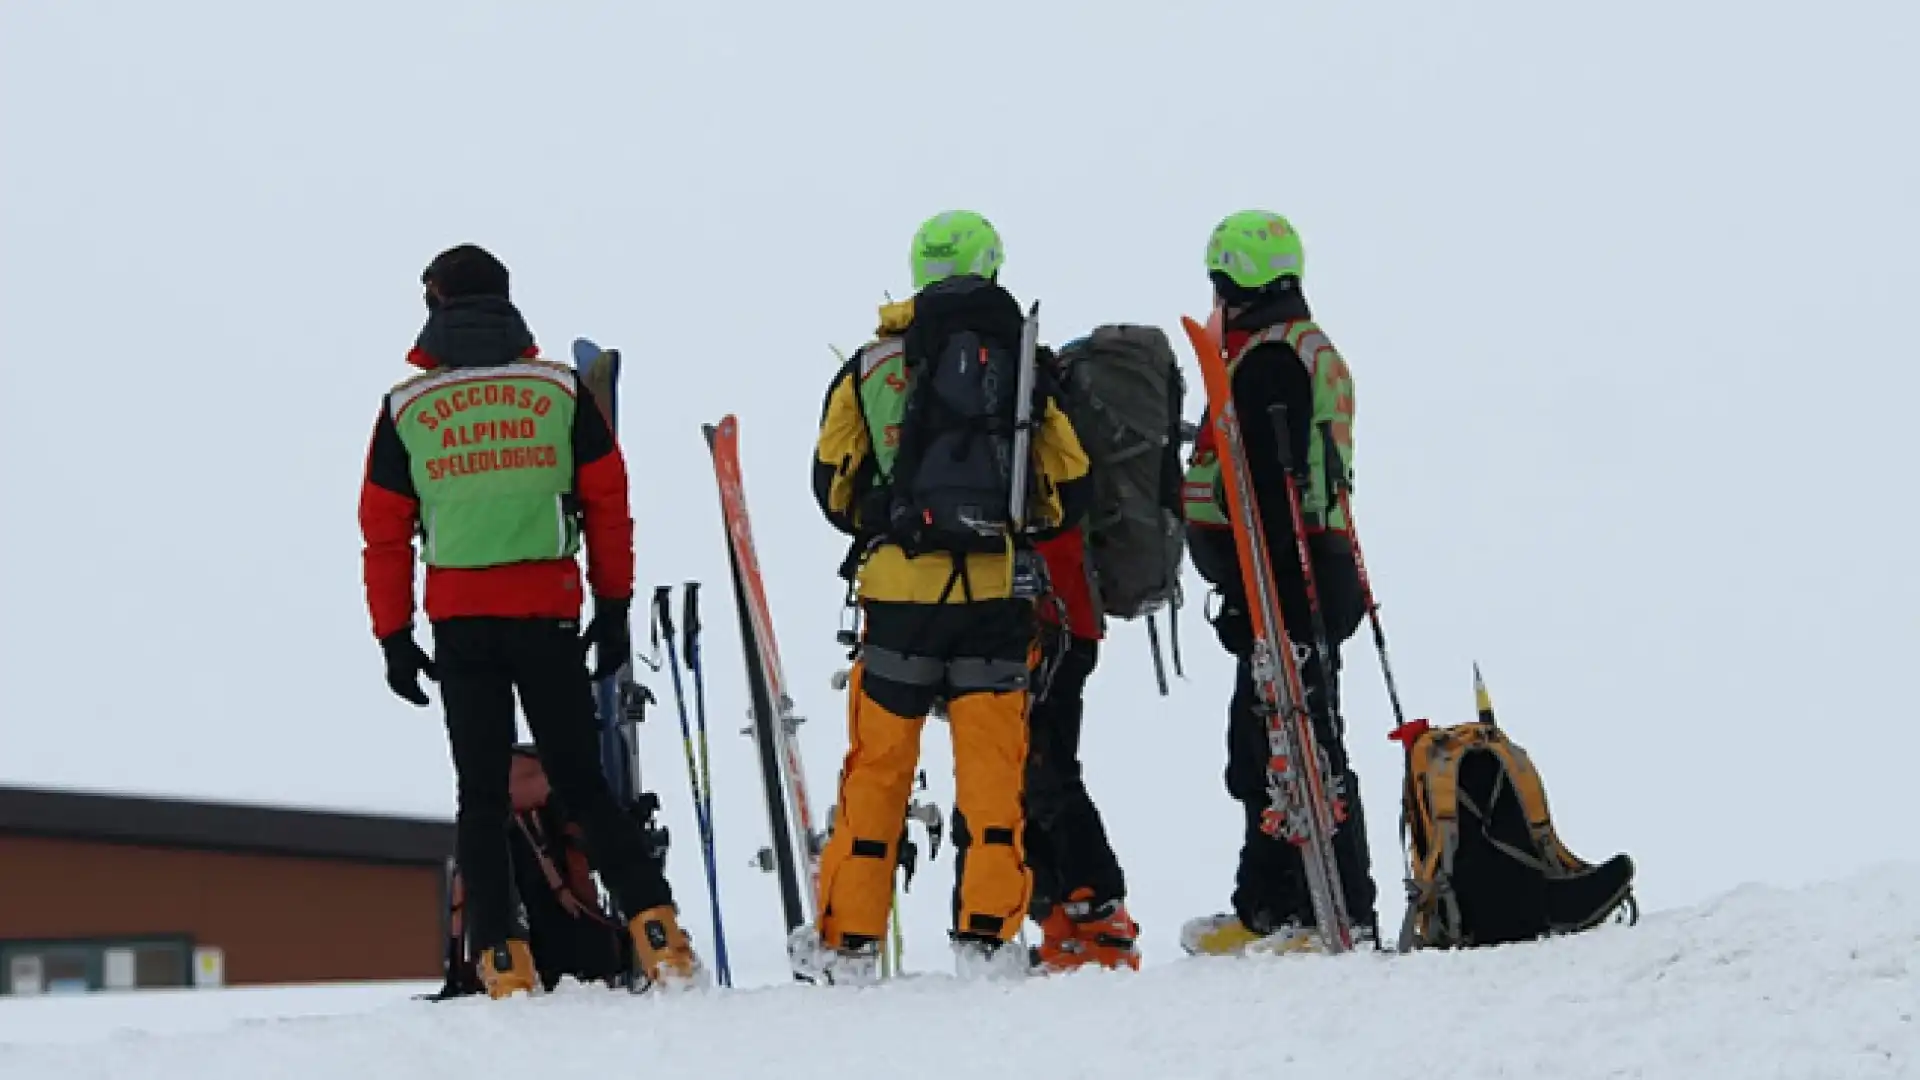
[[618, 700]]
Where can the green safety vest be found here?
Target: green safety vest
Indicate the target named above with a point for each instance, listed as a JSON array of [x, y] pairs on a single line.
[[1202, 493], [491, 452]]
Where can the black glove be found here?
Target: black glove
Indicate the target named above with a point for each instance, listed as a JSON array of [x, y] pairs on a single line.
[[405, 664], [1234, 627], [610, 635]]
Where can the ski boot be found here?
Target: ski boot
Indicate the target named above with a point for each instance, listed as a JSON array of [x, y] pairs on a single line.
[[663, 951], [507, 969], [1059, 948], [855, 963], [1081, 932], [1106, 933], [980, 957], [1226, 935]]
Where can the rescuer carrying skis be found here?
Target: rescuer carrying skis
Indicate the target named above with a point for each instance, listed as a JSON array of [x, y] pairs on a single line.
[[1289, 382]]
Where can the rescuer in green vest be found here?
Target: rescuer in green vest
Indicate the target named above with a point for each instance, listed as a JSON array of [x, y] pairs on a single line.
[[1279, 355], [503, 464]]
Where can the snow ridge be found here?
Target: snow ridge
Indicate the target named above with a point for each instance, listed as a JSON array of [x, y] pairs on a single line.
[[1820, 983]]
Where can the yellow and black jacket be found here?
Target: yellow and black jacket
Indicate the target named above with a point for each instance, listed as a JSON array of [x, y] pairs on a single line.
[[846, 467]]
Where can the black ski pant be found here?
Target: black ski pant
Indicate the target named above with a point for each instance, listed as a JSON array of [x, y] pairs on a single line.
[[1067, 847], [482, 663]]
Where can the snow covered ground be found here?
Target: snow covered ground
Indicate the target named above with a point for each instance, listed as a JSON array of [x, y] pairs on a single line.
[[1821, 983]]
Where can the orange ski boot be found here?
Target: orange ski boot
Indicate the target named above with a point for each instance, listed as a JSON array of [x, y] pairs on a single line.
[[1105, 934], [1059, 948], [665, 954], [507, 969]]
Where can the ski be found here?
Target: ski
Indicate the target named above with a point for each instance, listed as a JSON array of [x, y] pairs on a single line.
[[794, 853], [619, 701], [1302, 808], [613, 696]]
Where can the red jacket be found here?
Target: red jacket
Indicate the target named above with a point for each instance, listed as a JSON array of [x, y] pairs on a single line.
[[1066, 559], [389, 507]]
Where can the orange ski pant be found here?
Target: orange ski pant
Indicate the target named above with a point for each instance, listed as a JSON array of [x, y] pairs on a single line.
[[976, 656]]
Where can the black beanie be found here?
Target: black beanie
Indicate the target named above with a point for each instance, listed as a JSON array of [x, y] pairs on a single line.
[[467, 270]]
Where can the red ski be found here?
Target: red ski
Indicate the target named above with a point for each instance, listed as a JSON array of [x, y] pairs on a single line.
[[794, 853], [1302, 808]]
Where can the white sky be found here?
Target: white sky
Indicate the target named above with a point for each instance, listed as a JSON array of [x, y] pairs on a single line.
[[1626, 289]]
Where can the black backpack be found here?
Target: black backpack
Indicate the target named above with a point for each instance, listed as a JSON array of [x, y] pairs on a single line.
[[1124, 393], [951, 485]]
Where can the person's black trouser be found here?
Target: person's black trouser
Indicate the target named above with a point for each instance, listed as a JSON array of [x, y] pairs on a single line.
[[1067, 845], [482, 663]]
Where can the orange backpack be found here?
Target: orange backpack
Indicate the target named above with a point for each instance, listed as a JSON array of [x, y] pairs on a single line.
[[1485, 864]]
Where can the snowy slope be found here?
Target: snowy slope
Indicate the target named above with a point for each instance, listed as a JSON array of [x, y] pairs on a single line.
[[1821, 983]]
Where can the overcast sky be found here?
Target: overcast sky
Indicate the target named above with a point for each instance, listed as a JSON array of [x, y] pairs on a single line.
[[1627, 290]]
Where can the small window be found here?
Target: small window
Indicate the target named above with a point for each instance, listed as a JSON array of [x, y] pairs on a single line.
[[80, 966], [165, 964], [67, 970]]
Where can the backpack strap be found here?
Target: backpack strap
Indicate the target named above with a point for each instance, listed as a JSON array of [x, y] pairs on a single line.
[[1533, 798], [1263, 336], [1503, 749], [556, 881], [1433, 804]]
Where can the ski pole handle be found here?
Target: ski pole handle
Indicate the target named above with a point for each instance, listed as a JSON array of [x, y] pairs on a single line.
[[1277, 414], [692, 619], [662, 613]]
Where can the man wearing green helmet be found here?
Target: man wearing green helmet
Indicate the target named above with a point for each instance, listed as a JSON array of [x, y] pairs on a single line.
[[915, 463], [1286, 372]]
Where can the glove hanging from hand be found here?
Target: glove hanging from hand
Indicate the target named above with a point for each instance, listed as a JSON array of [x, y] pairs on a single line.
[[1233, 625], [609, 635], [405, 664]]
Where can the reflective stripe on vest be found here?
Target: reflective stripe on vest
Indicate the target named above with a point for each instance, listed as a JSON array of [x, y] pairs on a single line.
[[491, 457]]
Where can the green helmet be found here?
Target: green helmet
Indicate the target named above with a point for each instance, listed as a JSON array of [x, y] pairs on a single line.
[[954, 243], [1255, 248]]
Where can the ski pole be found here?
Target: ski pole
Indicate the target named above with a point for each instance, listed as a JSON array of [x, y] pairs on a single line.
[[899, 939], [1401, 732], [1159, 664], [1318, 623], [691, 618], [1344, 489], [663, 629]]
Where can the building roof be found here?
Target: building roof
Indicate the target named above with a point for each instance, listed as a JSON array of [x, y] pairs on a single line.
[[237, 827]]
